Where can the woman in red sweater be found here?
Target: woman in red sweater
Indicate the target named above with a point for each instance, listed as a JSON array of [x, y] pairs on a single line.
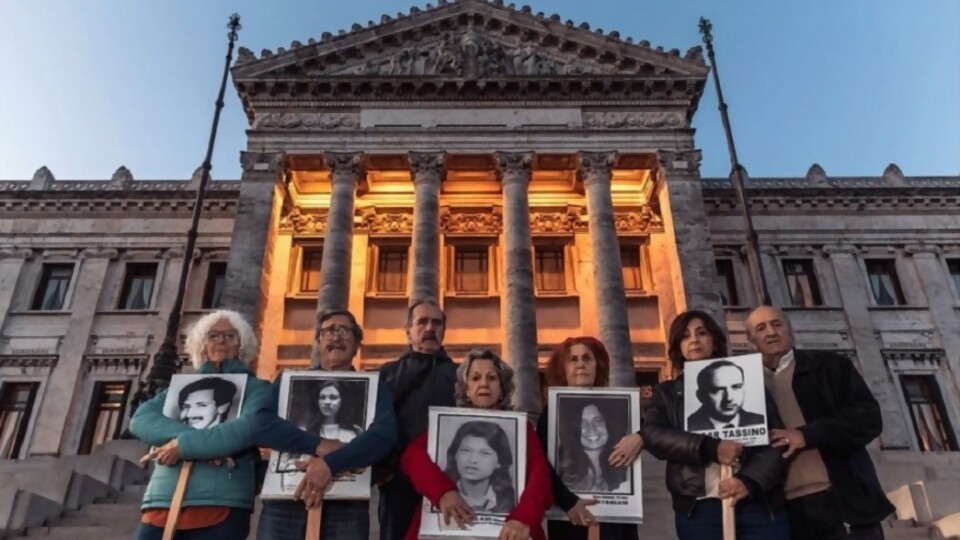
[[484, 381]]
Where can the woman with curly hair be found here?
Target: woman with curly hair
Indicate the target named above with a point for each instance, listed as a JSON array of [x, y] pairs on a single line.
[[484, 381], [595, 456]]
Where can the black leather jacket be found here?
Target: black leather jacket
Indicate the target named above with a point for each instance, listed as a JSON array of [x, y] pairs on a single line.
[[687, 454]]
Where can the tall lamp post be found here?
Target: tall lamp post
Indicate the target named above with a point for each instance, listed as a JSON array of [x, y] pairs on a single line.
[[736, 177], [167, 361]]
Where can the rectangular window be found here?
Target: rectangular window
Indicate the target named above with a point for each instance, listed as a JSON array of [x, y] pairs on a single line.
[[213, 289], [138, 286], [728, 283], [954, 266], [16, 407], [392, 269], [802, 282], [312, 257], [927, 412], [549, 269], [54, 282], [470, 270], [884, 283], [106, 414], [630, 260]]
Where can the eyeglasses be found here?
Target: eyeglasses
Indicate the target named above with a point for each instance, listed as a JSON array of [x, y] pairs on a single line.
[[228, 336], [335, 330]]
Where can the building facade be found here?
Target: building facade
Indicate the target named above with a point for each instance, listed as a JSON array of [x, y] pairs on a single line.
[[539, 179]]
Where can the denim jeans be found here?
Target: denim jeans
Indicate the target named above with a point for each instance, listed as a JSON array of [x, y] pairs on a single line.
[[287, 520], [398, 504], [235, 527], [754, 522]]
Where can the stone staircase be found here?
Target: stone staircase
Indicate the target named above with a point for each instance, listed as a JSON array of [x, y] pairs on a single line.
[[97, 497]]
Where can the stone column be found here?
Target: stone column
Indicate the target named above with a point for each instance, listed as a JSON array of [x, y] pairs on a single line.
[[53, 417], [596, 170], [896, 434], [345, 171], [942, 304], [426, 169], [11, 262], [687, 248], [520, 348], [254, 226]]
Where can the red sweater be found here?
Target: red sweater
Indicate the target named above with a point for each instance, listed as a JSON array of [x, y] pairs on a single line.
[[431, 482]]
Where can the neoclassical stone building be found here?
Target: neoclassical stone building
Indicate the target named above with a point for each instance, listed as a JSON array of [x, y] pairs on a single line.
[[540, 179]]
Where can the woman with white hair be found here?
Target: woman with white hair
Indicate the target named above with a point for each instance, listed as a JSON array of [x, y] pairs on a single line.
[[484, 381], [219, 499]]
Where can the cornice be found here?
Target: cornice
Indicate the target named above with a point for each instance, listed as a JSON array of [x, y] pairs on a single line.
[[45, 207]]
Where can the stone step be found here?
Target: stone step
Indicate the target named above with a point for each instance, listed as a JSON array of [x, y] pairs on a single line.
[[99, 514], [123, 528], [905, 529]]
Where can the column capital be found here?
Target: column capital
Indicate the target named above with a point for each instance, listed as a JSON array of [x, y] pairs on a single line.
[[22, 254], [840, 249], [596, 167], [427, 167], [514, 166], [344, 166], [261, 162], [681, 161], [922, 249]]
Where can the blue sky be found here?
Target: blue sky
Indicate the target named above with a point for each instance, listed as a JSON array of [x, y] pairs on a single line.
[[852, 85]]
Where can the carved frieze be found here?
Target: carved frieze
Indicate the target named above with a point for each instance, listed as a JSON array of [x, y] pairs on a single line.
[[634, 119], [641, 221], [471, 221], [307, 120], [300, 223], [471, 55], [556, 222], [378, 222]]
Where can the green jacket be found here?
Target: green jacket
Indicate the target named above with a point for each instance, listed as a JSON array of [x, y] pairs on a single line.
[[209, 485]]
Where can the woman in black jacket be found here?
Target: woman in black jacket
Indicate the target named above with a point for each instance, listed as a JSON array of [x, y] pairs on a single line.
[[693, 461]]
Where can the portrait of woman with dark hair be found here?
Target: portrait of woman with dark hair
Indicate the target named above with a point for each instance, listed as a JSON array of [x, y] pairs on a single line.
[[478, 461], [590, 428], [331, 408]]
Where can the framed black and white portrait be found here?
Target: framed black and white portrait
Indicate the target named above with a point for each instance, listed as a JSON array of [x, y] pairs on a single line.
[[584, 425], [337, 406], [724, 398], [484, 453], [204, 401]]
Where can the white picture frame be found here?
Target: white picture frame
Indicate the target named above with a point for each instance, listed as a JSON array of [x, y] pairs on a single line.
[[731, 386], [205, 400], [302, 394], [610, 414], [449, 429]]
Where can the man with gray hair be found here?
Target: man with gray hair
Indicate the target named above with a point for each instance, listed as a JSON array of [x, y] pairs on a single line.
[[831, 489], [338, 338], [423, 377]]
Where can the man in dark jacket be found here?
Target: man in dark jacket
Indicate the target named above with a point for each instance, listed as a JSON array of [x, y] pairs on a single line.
[[832, 489], [423, 377]]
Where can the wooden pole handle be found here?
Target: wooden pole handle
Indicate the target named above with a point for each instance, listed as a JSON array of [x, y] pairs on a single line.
[[593, 531], [729, 518], [177, 503], [313, 523]]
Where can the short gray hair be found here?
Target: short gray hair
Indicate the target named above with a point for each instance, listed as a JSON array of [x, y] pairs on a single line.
[[197, 336], [504, 372], [429, 302], [354, 325]]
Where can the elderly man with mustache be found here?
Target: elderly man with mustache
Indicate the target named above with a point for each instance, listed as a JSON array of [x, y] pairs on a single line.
[[423, 377], [831, 489], [338, 339]]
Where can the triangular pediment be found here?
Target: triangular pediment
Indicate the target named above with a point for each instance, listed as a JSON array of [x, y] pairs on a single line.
[[468, 39]]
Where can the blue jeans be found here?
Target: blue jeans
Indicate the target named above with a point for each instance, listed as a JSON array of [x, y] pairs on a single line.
[[754, 522], [287, 520], [235, 527]]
